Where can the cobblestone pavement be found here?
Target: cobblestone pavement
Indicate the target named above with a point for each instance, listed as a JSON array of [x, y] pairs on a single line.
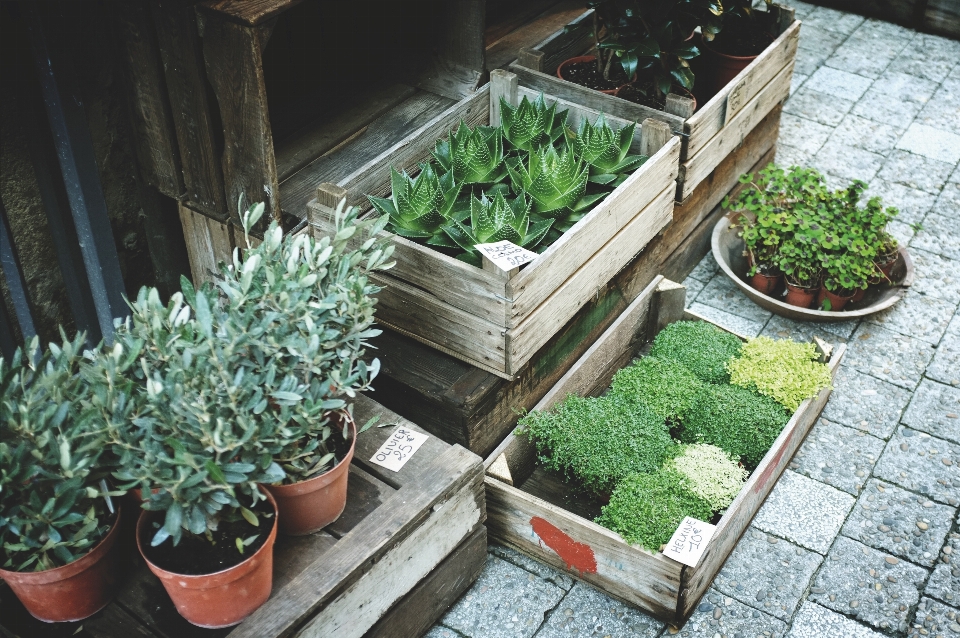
[[861, 536]]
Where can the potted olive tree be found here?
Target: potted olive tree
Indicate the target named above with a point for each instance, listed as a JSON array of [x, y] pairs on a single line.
[[58, 522]]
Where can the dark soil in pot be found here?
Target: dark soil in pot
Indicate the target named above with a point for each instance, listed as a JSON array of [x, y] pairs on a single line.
[[642, 92], [740, 42], [586, 74], [195, 555]]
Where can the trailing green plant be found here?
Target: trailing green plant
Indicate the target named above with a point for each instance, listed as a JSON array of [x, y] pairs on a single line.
[[646, 509], [662, 386], [710, 473], [784, 370], [599, 440], [497, 219], [736, 420], [55, 408], [700, 347], [531, 125]]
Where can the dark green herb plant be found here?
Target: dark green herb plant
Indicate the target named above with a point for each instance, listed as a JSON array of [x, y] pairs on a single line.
[[662, 386], [700, 347]]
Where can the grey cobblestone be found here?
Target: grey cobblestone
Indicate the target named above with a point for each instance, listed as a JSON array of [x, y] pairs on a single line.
[[723, 294], [848, 163], [921, 316], [832, 20], [440, 631], [896, 98], [859, 132], [866, 52], [588, 612], [943, 109], [519, 559], [816, 45], [888, 355], [945, 366], [945, 581], [693, 286], [803, 134], [935, 276], [818, 107], [732, 322], [931, 142], [706, 269], [948, 203], [940, 234], [922, 463], [838, 456], [864, 402], [916, 171], [928, 56], [814, 621], [723, 615], [912, 203], [935, 409], [935, 619]]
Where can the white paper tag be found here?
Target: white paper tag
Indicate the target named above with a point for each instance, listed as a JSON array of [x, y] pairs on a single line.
[[398, 449], [506, 255], [689, 541]]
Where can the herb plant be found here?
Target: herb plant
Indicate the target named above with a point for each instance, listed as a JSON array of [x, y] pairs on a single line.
[[710, 473], [662, 386], [784, 370], [700, 347]]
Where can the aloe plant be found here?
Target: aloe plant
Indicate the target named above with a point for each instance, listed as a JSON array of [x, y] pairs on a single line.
[[606, 151], [556, 180], [497, 219], [472, 155], [419, 206], [529, 126]]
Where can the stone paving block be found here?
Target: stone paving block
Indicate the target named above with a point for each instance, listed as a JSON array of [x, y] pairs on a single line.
[[839, 456], [935, 619], [945, 581], [948, 203], [935, 409], [895, 98], [888, 355], [722, 615], [505, 602], [931, 142], [521, 560], [942, 111], [439, 631], [767, 573], [927, 56], [796, 81], [803, 9], [913, 204], [814, 621], [864, 402], [940, 234], [899, 522], [859, 132], [935, 276], [705, 269], [815, 46], [945, 366], [818, 107], [849, 163], [803, 134], [586, 611], [833, 332], [921, 316], [916, 171], [837, 83], [832, 20], [693, 286], [804, 511], [734, 323], [790, 156], [922, 463], [723, 294], [871, 585], [903, 233], [869, 50]]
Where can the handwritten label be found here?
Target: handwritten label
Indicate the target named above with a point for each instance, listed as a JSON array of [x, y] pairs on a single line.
[[398, 449], [690, 541], [506, 255], [735, 99]]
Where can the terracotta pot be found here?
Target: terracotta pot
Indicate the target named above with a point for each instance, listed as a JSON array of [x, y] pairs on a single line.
[[224, 598], [858, 295], [722, 67], [583, 58], [765, 284], [310, 505], [75, 591], [800, 297], [837, 302], [887, 266]]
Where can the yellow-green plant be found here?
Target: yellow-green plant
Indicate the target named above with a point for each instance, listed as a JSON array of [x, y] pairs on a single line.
[[786, 371], [710, 473]]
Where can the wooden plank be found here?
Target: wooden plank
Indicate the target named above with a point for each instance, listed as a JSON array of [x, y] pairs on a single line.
[[152, 122], [504, 17], [563, 45], [190, 108], [943, 17], [458, 62], [415, 613], [365, 493], [712, 116], [504, 51], [697, 167], [249, 12], [233, 56], [203, 265]]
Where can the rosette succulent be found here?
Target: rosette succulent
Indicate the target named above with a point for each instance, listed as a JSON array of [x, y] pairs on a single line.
[[556, 180], [606, 151], [497, 219], [530, 125], [472, 155], [418, 206]]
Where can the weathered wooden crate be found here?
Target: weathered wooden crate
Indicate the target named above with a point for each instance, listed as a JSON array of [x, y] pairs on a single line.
[[534, 511], [493, 320], [407, 545], [711, 133]]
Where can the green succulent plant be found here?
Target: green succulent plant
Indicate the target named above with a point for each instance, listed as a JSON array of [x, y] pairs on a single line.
[[497, 219], [531, 125], [606, 151], [555, 180], [472, 155], [419, 206]]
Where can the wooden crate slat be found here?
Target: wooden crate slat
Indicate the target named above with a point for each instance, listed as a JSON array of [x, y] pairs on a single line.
[[250, 12], [733, 133], [709, 119], [500, 52], [561, 46]]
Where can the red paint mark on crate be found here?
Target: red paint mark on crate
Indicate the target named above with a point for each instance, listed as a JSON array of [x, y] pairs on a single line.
[[576, 555], [769, 470]]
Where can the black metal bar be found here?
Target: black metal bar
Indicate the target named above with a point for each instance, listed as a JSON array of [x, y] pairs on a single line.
[[16, 284], [64, 105]]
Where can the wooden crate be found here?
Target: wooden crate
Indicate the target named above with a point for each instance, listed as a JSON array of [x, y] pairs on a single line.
[[523, 498], [493, 320], [711, 133], [464, 404], [407, 545]]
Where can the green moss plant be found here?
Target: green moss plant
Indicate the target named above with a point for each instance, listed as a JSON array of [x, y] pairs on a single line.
[[700, 347], [786, 371], [662, 385], [599, 440], [710, 473], [735, 419], [646, 509]]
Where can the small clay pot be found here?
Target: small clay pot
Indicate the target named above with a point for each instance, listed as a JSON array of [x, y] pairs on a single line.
[[224, 598], [837, 302], [887, 265], [765, 284], [858, 295], [578, 59], [75, 591], [723, 67], [311, 505], [800, 297]]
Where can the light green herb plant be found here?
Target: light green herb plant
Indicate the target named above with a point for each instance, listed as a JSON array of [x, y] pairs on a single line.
[[784, 370], [700, 347], [710, 473]]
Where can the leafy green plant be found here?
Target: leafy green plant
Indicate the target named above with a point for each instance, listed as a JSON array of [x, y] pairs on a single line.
[[736, 420], [646, 509], [710, 473], [784, 370], [662, 386], [700, 347], [599, 440], [55, 408], [497, 219], [531, 125], [607, 152]]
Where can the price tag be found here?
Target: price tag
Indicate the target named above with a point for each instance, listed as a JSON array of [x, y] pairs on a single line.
[[690, 541], [398, 449], [506, 255]]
